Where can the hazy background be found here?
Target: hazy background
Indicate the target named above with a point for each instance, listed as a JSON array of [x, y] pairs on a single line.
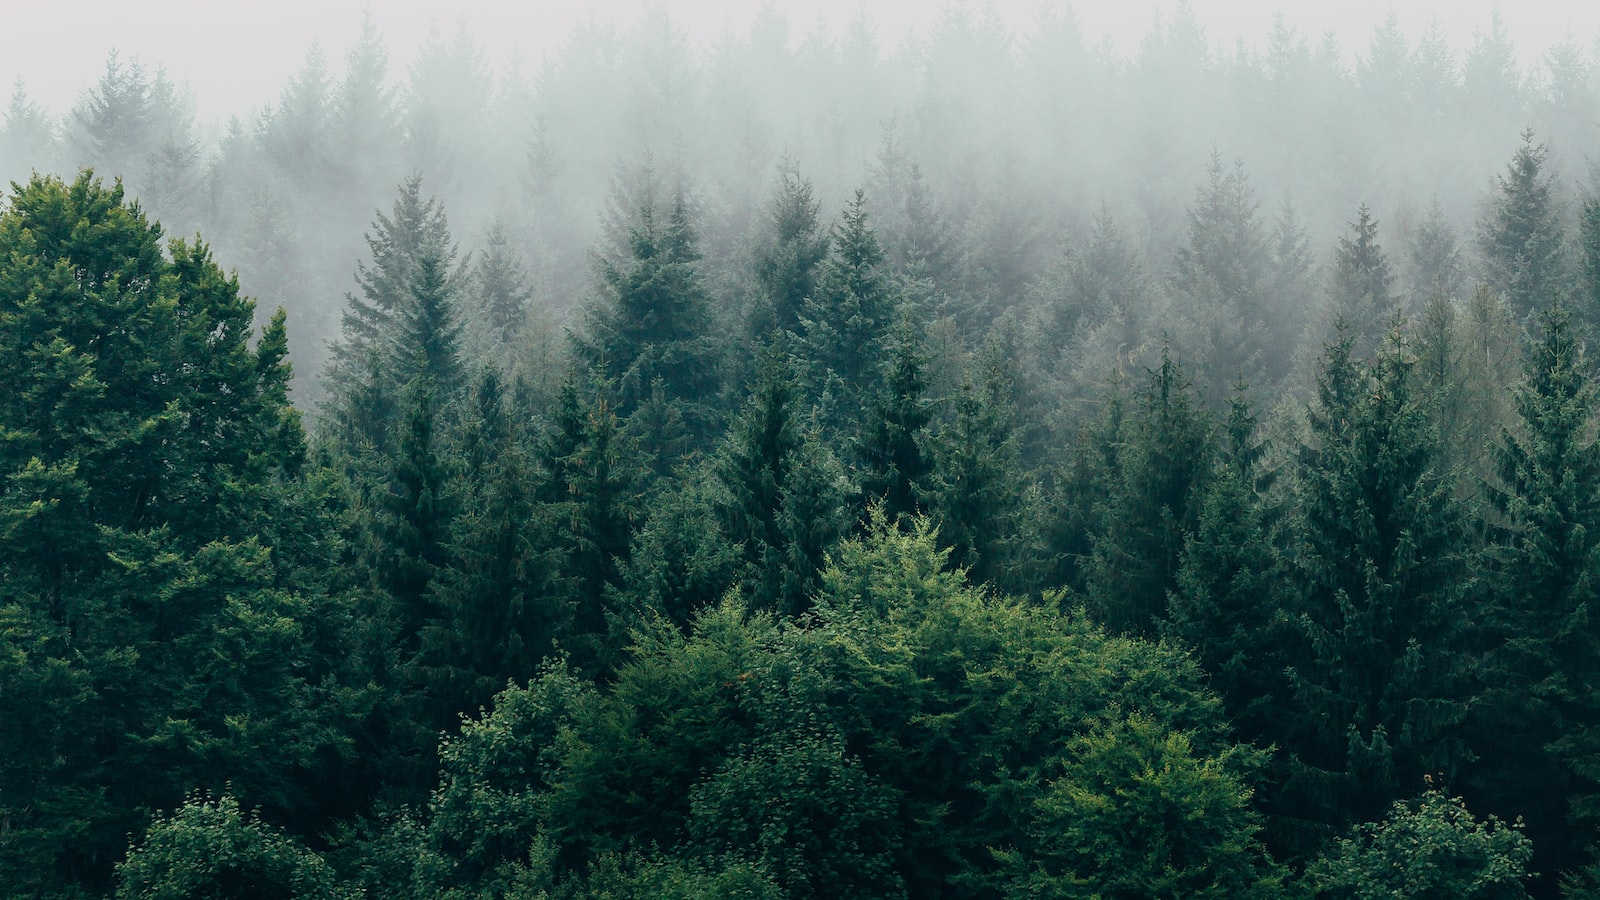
[[237, 56]]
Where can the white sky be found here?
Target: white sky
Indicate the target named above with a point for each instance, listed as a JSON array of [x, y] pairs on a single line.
[[236, 55]]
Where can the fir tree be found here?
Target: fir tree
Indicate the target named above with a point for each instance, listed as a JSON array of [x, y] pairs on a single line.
[[1521, 237], [1377, 673], [1538, 723], [1163, 459]]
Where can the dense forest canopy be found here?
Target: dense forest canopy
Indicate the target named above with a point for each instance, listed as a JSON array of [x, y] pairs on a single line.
[[992, 467]]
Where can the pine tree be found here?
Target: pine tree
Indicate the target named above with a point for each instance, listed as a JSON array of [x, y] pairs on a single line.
[[1222, 276], [1359, 292], [1163, 460], [780, 506], [1538, 724], [979, 481], [402, 327], [845, 324], [893, 444], [651, 319], [1376, 676], [1229, 604], [1521, 237], [787, 261], [1587, 300]]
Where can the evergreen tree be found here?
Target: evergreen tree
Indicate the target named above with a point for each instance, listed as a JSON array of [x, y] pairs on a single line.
[[153, 640], [1537, 722], [1376, 674], [1521, 237], [652, 317], [1436, 264], [845, 324], [402, 327], [893, 444], [1222, 276], [780, 506], [1163, 460], [1587, 300], [979, 483], [1228, 603], [1360, 286], [788, 259]]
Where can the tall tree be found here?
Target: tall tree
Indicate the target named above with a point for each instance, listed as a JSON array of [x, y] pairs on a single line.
[[893, 444], [153, 640], [1222, 274], [1377, 673], [782, 507], [1164, 457], [1360, 289], [1521, 236], [845, 323], [651, 318], [788, 258], [1538, 725]]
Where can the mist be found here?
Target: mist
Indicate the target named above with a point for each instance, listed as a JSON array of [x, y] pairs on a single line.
[[1001, 146]]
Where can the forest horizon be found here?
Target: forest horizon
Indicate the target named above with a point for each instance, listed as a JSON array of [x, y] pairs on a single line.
[[791, 467]]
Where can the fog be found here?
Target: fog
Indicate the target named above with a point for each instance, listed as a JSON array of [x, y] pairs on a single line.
[[997, 146]]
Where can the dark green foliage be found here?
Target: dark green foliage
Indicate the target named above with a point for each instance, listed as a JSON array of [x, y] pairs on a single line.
[[782, 504], [1430, 848], [845, 322], [896, 464], [1230, 603], [1164, 452], [591, 491], [787, 263], [1521, 237], [979, 480], [1377, 673], [151, 643], [1537, 722], [403, 327], [915, 736], [651, 320]]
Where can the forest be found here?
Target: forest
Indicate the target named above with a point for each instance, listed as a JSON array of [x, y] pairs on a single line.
[[797, 467]]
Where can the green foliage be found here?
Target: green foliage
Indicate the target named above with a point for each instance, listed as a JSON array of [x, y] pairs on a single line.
[[1137, 814], [652, 319], [1536, 721], [1164, 455], [979, 481], [1377, 677], [152, 643], [788, 260], [893, 443], [1521, 238], [208, 848], [782, 504], [845, 322], [1430, 848]]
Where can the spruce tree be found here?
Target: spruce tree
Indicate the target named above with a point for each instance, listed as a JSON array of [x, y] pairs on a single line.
[[1538, 723], [651, 319], [1521, 237], [845, 323], [1376, 673], [1164, 458], [892, 446], [788, 259]]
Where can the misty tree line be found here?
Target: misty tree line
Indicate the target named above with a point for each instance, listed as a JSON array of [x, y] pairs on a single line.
[[898, 488]]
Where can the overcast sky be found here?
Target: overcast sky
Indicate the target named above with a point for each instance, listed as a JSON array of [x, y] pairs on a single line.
[[237, 56]]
